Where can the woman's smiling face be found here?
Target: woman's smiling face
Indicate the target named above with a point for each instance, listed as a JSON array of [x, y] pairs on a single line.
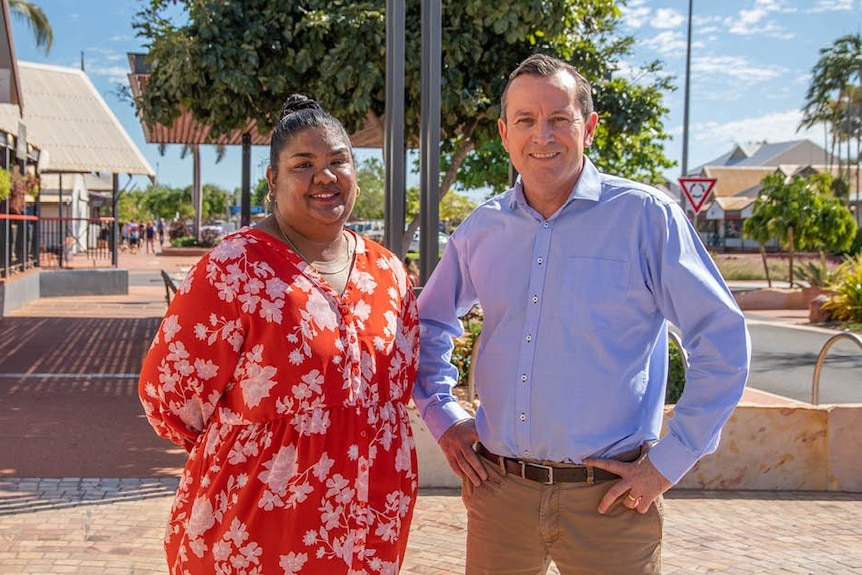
[[314, 183]]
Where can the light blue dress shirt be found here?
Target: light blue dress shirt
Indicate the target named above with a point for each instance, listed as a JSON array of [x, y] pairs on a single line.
[[573, 358]]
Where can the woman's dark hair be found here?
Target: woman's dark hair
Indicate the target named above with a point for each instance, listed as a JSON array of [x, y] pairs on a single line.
[[300, 113]]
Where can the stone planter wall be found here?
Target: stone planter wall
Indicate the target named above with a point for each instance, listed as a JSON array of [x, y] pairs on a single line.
[[769, 443]]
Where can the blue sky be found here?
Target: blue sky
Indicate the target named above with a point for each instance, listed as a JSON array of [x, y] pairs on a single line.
[[751, 62]]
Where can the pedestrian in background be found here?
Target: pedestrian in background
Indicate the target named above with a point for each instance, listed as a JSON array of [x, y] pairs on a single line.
[[578, 274]]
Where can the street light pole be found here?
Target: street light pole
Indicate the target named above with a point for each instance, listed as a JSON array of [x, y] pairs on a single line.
[[687, 95], [685, 110]]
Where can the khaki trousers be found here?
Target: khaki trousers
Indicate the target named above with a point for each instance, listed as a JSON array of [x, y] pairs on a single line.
[[516, 527]]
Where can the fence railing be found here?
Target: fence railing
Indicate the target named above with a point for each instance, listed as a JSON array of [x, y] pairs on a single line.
[[63, 241], [17, 243]]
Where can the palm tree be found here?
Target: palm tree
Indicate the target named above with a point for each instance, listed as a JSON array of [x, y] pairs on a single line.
[[36, 20], [830, 97]]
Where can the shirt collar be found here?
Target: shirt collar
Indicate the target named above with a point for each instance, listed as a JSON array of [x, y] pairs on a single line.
[[589, 187]]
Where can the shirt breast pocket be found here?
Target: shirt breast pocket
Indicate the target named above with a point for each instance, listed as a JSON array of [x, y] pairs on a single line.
[[594, 291]]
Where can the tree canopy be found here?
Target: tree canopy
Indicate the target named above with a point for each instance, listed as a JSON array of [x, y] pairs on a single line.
[[37, 21], [834, 96], [802, 214], [227, 61]]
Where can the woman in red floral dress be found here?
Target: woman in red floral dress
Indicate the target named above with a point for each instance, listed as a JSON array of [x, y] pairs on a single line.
[[284, 366]]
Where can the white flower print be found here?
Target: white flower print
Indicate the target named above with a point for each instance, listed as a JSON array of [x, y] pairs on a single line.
[[170, 327], [280, 469], [321, 312], [292, 563], [201, 519]]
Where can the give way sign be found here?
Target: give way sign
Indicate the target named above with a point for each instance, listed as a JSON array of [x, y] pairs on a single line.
[[697, 190]]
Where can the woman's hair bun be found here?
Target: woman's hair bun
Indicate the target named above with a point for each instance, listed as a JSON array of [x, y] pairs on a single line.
[[297, 102]]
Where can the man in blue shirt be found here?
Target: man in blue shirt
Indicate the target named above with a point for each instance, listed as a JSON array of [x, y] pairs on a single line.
[[578, 274]]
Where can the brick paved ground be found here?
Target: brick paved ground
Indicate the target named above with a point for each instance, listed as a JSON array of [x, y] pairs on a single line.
[[114, 527], [111, 526]]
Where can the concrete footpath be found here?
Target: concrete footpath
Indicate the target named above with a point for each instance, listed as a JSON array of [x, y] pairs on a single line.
[[101, 525]]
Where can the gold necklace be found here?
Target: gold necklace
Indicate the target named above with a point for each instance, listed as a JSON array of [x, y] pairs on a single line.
[[306, 260]]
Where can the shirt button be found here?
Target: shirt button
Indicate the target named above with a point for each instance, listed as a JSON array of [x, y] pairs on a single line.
[[529, 337], [540, 260], [523, 417], [524, 377], [535, 299], [545, 225]]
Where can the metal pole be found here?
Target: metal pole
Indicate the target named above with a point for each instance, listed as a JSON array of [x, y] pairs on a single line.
[[429, 136], [115, 227], [393, 140], [197, 190], [245, 200], [687, 95], [685, 114]]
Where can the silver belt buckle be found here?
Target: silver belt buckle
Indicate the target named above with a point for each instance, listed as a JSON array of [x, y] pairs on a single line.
[[550, 470]]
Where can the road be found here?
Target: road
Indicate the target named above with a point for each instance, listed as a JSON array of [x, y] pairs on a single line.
[[784, 357]]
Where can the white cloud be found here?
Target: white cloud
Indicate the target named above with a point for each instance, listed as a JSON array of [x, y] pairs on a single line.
[[756, 22], [772, 128], [669, 43], [733, 68], [668, 18], [636, 14], [834, 6], [115, 74]]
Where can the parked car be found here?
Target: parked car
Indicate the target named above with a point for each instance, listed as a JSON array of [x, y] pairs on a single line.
[[442, 240]]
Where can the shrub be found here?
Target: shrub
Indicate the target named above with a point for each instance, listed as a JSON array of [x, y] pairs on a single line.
[[675, 374], [846, 303], [463, 351]]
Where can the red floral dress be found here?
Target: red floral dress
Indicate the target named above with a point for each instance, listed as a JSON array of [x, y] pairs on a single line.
[[292, 402]]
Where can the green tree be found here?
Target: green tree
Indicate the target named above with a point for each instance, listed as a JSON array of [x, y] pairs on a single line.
[[802, 214], [370, 176], [259, 194], [228, 62], [834, 96], [36, 19]]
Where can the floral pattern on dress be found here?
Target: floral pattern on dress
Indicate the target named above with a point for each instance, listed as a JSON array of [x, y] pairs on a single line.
[[292, 402]]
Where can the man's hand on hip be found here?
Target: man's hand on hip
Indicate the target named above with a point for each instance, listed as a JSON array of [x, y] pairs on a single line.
[[640, 484], [457, 445]]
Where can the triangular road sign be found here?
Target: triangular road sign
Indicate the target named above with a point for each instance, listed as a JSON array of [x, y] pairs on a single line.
[[697, 190]]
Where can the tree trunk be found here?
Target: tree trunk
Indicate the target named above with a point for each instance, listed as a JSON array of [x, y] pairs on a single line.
[[765, 265], [792, 250], [467, 146]]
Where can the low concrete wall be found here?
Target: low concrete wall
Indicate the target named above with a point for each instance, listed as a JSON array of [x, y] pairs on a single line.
[[785, 446], [769, 443], [18, 290], [773, 298], [103, 281]]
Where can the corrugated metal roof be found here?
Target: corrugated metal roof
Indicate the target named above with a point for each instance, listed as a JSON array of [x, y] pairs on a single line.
[[67, 117], [735, 181], [734, 204]]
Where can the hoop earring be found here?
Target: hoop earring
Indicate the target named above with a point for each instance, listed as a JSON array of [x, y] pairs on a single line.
[[358, 191]]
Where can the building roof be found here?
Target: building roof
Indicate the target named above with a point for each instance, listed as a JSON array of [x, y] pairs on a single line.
[[67, 118], [189, 131], [795, 152], [736, 181], [734, 204]]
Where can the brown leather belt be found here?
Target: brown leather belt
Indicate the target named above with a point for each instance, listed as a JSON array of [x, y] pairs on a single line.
[[551, 474]]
